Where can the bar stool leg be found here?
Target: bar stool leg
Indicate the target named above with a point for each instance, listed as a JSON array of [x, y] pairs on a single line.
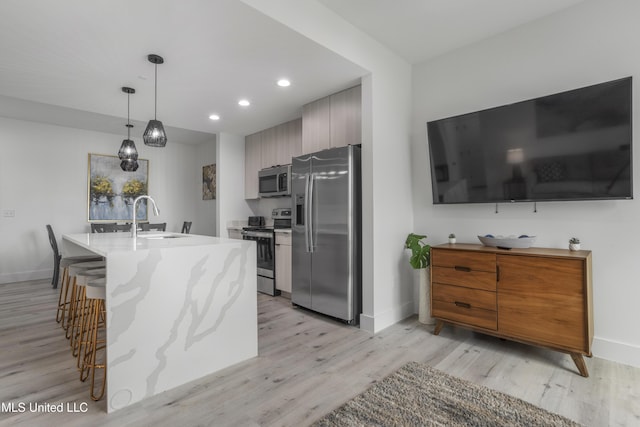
[[96, 344], [72, 308], [63, 303]]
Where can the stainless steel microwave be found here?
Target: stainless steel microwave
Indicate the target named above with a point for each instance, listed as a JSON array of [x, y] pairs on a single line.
[[275, 181]]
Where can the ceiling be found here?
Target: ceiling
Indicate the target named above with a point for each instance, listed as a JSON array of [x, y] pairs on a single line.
[[419, 30], [65, 62]]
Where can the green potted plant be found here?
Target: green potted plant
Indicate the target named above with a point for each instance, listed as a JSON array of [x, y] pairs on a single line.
[[420, 261], [452, 238], [574, 244]]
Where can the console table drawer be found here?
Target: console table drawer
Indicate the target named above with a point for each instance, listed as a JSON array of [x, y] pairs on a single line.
[[472, 298], [463, 260], [461, 277], [479, 317]]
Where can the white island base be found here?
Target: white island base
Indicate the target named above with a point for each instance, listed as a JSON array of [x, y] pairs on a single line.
[[178, 308]]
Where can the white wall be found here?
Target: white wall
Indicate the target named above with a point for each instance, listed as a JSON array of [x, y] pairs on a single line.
[[205, 214], [230, 182], [43, 177], [590, 43], [387, 204]]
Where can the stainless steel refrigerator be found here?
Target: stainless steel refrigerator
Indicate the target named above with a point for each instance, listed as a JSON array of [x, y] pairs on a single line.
[[326, 233]]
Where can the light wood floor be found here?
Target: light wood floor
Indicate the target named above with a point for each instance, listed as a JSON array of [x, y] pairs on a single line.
[[307, 365]]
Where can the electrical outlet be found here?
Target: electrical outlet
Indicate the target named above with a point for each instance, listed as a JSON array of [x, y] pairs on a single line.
[[8, 213]]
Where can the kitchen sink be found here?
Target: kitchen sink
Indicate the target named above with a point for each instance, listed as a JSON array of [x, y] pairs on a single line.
[[161, 236]]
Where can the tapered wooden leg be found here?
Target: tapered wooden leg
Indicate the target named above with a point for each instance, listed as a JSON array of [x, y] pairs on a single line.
[[579, 361], [438, 328]]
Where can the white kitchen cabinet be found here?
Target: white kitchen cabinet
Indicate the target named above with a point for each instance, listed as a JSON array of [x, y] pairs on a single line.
[[283, 262], [252, 164], [333, 121]]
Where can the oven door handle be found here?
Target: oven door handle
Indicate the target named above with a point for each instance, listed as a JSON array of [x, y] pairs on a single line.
[[258, 234]]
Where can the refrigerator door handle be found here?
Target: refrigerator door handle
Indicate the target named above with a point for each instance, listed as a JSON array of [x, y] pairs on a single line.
[[306, 212], [310, 215]]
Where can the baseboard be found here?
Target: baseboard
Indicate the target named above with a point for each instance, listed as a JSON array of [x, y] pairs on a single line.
[[625, 353], [378, 322], [23, 276]]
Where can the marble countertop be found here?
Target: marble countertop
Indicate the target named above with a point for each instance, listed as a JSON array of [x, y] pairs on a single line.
[[283, 230], [105, 243]]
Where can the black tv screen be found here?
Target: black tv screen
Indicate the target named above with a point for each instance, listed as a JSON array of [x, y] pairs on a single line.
[[574, 145]]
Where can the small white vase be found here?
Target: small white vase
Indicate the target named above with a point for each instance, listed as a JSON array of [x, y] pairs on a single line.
[[574, 246], [452, 240], [424, 308]]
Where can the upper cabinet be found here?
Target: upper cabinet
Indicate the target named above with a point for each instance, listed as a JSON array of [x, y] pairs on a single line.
[[346, 117], [252, 164], [333, 121], [270, 144], [316, 125], [290, 134], [267, 148]]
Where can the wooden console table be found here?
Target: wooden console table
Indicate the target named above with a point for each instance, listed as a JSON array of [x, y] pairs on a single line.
[[536, 296]]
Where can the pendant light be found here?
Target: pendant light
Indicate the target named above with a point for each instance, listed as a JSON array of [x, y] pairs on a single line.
[[128, 153], [154, 135]]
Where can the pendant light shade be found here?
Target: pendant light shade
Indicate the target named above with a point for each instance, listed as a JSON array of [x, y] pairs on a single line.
[[129, 165], [154, 135], [128, 153]]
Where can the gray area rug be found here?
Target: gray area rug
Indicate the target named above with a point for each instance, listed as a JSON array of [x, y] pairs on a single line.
[[418, 395]]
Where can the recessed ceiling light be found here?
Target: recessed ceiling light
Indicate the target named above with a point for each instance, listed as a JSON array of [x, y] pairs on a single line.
[[284, 83], [244, 103], [214, 117]]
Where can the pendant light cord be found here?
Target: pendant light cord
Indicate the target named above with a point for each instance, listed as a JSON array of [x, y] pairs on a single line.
[[155, 106], [128, 115]]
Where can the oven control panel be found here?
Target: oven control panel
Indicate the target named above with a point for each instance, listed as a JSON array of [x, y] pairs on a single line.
[[281, 213]]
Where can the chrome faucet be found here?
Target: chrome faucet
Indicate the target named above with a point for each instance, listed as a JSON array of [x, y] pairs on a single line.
[[156, 211]]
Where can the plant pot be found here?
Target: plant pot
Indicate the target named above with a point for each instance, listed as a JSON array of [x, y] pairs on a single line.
[[452, 240], [424, 308], [574, 246]]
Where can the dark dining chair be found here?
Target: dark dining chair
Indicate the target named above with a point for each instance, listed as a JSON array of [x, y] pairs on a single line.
[[145, 226], [109, 227], [56, 257], [58, 260], [186, 227]]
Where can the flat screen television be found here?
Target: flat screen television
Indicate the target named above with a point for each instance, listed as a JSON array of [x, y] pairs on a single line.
[[574, 145]]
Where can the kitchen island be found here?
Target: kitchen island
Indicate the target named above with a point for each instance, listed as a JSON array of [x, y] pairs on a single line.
[[179, 307]]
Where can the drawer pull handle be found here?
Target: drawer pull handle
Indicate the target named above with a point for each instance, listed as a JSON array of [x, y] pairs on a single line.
[[461, 268], [462, 304]]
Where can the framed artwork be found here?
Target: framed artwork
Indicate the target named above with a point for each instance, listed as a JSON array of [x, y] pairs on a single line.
[[111, 191], [209, 182]]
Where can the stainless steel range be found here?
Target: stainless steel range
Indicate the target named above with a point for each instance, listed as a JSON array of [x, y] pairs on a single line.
[[265, 245]]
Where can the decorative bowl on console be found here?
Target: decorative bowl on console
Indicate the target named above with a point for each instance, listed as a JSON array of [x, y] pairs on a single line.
[[507, 242]]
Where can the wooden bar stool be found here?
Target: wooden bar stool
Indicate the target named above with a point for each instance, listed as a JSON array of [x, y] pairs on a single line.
[[66, 285], [96, 338]]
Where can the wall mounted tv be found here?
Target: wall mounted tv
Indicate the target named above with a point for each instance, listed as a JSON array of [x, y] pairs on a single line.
[[573, 145]]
